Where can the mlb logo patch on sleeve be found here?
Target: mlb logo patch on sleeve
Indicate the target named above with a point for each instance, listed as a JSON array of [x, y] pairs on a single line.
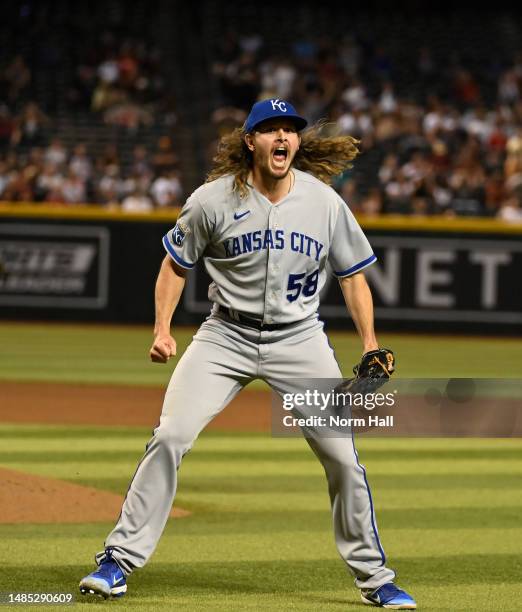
[[178, 234]]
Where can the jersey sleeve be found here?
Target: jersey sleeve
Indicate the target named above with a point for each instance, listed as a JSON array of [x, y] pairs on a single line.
[[187, 240], [350, 250]]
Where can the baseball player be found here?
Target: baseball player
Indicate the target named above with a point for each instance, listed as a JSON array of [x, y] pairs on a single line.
[[266, 226]]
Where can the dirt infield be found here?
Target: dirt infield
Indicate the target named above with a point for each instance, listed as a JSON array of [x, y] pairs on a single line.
[[34, 402], [26, 498]]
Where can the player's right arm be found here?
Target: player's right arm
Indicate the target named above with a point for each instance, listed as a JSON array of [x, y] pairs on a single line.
[[184, 244], [169, 287]]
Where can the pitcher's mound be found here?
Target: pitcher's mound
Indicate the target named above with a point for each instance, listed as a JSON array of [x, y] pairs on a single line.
[[26, 498]]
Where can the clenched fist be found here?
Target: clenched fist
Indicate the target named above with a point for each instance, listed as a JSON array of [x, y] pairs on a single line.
[[163, 348]]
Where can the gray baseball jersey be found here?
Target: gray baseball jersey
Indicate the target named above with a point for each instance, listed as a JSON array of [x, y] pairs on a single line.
[[269, 261]]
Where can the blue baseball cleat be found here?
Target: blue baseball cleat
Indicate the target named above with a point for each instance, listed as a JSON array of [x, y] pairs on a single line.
[[107, 581], [388, 596]]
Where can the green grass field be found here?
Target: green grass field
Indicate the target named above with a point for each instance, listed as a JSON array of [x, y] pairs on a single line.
[[259, 536], [119, 355]]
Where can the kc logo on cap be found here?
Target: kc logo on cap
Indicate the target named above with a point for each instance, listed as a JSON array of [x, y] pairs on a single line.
[[280, 105], [270, 109]]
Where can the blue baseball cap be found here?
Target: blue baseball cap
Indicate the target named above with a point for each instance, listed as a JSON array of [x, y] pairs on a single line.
[[271, 109]]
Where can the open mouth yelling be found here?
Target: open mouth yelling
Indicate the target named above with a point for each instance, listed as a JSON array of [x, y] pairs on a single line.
[[279, 157]]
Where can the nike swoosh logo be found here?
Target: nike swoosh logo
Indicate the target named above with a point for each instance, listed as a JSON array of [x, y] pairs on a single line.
[[238, 216]]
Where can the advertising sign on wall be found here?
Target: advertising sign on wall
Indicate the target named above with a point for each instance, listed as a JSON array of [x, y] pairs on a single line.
[[46, 266]]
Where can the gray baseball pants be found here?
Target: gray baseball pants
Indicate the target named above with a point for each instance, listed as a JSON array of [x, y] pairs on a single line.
[[223, 357]]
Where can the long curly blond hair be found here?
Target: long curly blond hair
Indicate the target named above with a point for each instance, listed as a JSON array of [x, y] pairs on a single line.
[[322, 156]]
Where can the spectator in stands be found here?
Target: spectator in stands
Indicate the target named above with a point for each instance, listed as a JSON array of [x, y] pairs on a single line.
[[164, 157], [438, 155], [56, 153], [251, 41], [50, 181], [83, 83], [5, 176], [7, 126], [355, 95], [227, 118], [372, 203], [236, 69], [141, 163], [242, 81], [19, 187], [74, 189], [497, 137], [441, 194], [513, 161], [105, 96], [508, 88], [33, 164], [80, 163], [417, 168], [387, 127], [277, 76], [494, 191], [109, 70], [387, 102], [399, 192], [389, 168], [127, 66], [138, 201], [128, 114], [110, 184], [166, 189], [135, 182], [356, 122], [465, 88], [110, 200], [350, 55], [15, 80], [420, 205], [315, 103], [511, 208], [329, 73], [467, 184], [349, 190], [110, 156], [29, 126]]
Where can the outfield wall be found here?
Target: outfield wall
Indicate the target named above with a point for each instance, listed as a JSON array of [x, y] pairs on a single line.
[[86, 263]]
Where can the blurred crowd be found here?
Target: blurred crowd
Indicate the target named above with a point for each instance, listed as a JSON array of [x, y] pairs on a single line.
[[442, 141], [440, 134], [115, 80], [55, 175], [118, 78], [122, 80]]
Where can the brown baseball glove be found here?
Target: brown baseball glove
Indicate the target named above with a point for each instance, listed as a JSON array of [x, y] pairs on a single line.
[[374, 369]]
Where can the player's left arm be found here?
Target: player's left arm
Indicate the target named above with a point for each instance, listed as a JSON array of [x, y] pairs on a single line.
[[359, 301]]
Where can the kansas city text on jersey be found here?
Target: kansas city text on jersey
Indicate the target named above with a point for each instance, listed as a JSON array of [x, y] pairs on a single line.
[[272, 239]]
